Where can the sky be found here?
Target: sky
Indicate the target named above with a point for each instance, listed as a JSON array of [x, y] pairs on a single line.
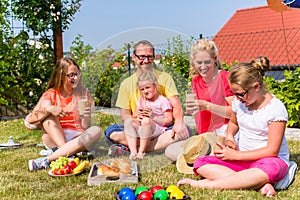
[[116, 22]]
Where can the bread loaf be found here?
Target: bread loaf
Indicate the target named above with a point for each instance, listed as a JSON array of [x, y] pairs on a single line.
[[115, 167], [122, 164], [108, 171]]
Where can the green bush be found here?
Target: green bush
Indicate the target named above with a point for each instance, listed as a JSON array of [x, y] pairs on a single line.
[[288, 91], [175, 61], [25, 67], [100, 76]]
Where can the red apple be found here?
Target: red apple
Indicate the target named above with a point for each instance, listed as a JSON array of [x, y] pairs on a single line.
[[72, 164], [155, 188]]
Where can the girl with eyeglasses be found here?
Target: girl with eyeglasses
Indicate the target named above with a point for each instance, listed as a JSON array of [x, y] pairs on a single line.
[[260, 159], [64, 130]]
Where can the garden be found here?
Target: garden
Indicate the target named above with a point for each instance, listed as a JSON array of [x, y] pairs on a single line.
[[25, 66], [18, 183]]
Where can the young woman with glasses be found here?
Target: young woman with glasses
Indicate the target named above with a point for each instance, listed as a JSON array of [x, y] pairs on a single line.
[[64, 128]]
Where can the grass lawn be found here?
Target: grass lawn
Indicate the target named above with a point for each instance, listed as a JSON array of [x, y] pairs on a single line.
[[16, 182]]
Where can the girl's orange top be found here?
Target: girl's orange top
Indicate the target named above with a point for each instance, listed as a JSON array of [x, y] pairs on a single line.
[[70, 104]]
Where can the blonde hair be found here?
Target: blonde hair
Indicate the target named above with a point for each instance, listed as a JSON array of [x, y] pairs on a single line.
[[147, 76], [245, 74], [204, 45]]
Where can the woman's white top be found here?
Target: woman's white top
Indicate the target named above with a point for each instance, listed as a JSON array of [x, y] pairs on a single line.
[[253, 125]]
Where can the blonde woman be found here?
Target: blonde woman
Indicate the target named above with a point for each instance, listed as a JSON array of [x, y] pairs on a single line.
[[213, 96]]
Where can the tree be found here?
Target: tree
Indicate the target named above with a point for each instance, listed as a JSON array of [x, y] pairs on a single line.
[[27, 58], [40, 17]]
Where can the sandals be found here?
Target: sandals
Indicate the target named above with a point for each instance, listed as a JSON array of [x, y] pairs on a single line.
[[37, 116]]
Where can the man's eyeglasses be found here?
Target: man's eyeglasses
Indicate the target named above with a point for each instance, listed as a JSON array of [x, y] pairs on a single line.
[[72, 75], [143, 57], [240, 95]]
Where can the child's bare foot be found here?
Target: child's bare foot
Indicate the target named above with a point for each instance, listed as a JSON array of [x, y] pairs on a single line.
[[133, 156], [197, 184], [140, 156], [268, 190]]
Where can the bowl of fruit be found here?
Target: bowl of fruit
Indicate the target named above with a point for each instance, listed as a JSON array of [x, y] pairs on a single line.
[[64, 166]]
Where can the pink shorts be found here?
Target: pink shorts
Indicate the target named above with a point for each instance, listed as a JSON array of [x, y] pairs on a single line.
[[274, 167]]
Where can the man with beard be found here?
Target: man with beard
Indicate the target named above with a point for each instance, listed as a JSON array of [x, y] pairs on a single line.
[[143, 56]]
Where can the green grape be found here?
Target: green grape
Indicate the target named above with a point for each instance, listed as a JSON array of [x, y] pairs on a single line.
[[59, 163]]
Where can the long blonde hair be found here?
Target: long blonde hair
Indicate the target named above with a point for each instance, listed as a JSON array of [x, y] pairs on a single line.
[[203, 45]]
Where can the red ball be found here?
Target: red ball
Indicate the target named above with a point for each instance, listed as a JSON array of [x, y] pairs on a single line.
[[145, 195], [155, 188]]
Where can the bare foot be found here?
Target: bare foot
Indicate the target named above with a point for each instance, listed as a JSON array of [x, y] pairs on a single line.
[[133, 156], [140, 156], [268, 190], [193, 183]]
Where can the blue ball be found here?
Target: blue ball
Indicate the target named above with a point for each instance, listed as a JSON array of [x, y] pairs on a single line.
[[129, 196], [124, 191]]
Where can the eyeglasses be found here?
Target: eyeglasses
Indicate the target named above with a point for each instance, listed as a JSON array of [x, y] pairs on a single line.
[[143, 57], [240, 95], [72, 75]]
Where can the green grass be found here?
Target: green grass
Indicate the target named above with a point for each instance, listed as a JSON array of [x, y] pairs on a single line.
[[16, 182]]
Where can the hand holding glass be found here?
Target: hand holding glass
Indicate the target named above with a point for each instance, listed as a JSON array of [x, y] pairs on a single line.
[[145, 112], [82, 103], [191, 103]]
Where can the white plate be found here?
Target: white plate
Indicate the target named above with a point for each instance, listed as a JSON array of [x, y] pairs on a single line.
[[11, 145], [51, 174]]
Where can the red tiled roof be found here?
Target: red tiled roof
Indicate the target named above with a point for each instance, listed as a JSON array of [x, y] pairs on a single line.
[[259, 31], [116, 65]]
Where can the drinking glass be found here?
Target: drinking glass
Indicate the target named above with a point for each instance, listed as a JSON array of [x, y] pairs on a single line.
[[189, 96], [82, 103]]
